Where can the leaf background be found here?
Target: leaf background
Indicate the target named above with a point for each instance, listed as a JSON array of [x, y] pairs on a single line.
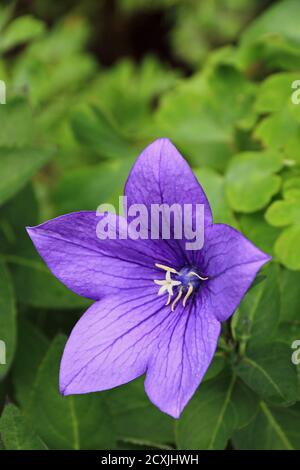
[[87, 88]]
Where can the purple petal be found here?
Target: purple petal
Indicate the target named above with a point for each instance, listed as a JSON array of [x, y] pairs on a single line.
[[183, 355], [92, 267], [231, 262], [118, 340], [113, 341], [161, 175]]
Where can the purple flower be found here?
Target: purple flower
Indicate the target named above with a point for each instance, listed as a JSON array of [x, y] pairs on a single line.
[[131, 330]]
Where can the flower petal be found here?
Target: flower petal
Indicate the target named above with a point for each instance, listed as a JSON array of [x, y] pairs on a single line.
[[183, 354], [231, 263], [161, 175], [92, 267], [113, 341]]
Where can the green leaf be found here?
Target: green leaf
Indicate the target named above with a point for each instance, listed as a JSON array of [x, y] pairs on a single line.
[[255, 228], [68, 36], [283, 213], [7, 321], [290, 299], [279, 130], [198, 136], [259, 312], [268, 371], [136, 419], [273, 428], [291, 185], [291, 148], [273, 37], [36, 286], [16, 433], [31, 349], [210, 418], [19, 212], [286, 211], [202, 113], [245, 402], [216, 366], [288, 332], [213, 185], [280, 19], [21, 30], [73, 422], [126, 91], [196, 23], [16, 123], [86, 188], [251, 180], [66, 77], [18, 166], [6, 12], [276, 130], [57, 54], [287, 247], [3, 397], [93, 129], [274, 93]]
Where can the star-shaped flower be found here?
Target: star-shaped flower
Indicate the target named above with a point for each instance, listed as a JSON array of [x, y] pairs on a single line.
[[129, 331]]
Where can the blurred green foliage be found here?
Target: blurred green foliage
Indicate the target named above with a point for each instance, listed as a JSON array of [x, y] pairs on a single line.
[[69, 133]]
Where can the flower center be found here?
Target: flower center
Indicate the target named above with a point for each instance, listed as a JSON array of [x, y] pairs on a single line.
[[184, 282]]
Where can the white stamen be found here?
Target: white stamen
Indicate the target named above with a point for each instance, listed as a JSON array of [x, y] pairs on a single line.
[[177, 299], [166, 268], [167, 284], [188, 294], [192, 273]]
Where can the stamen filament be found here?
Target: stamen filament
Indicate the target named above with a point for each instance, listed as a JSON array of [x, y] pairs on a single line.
[[188, 294], [182, 282], [166, 268], [192, 273], [177, 299]]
